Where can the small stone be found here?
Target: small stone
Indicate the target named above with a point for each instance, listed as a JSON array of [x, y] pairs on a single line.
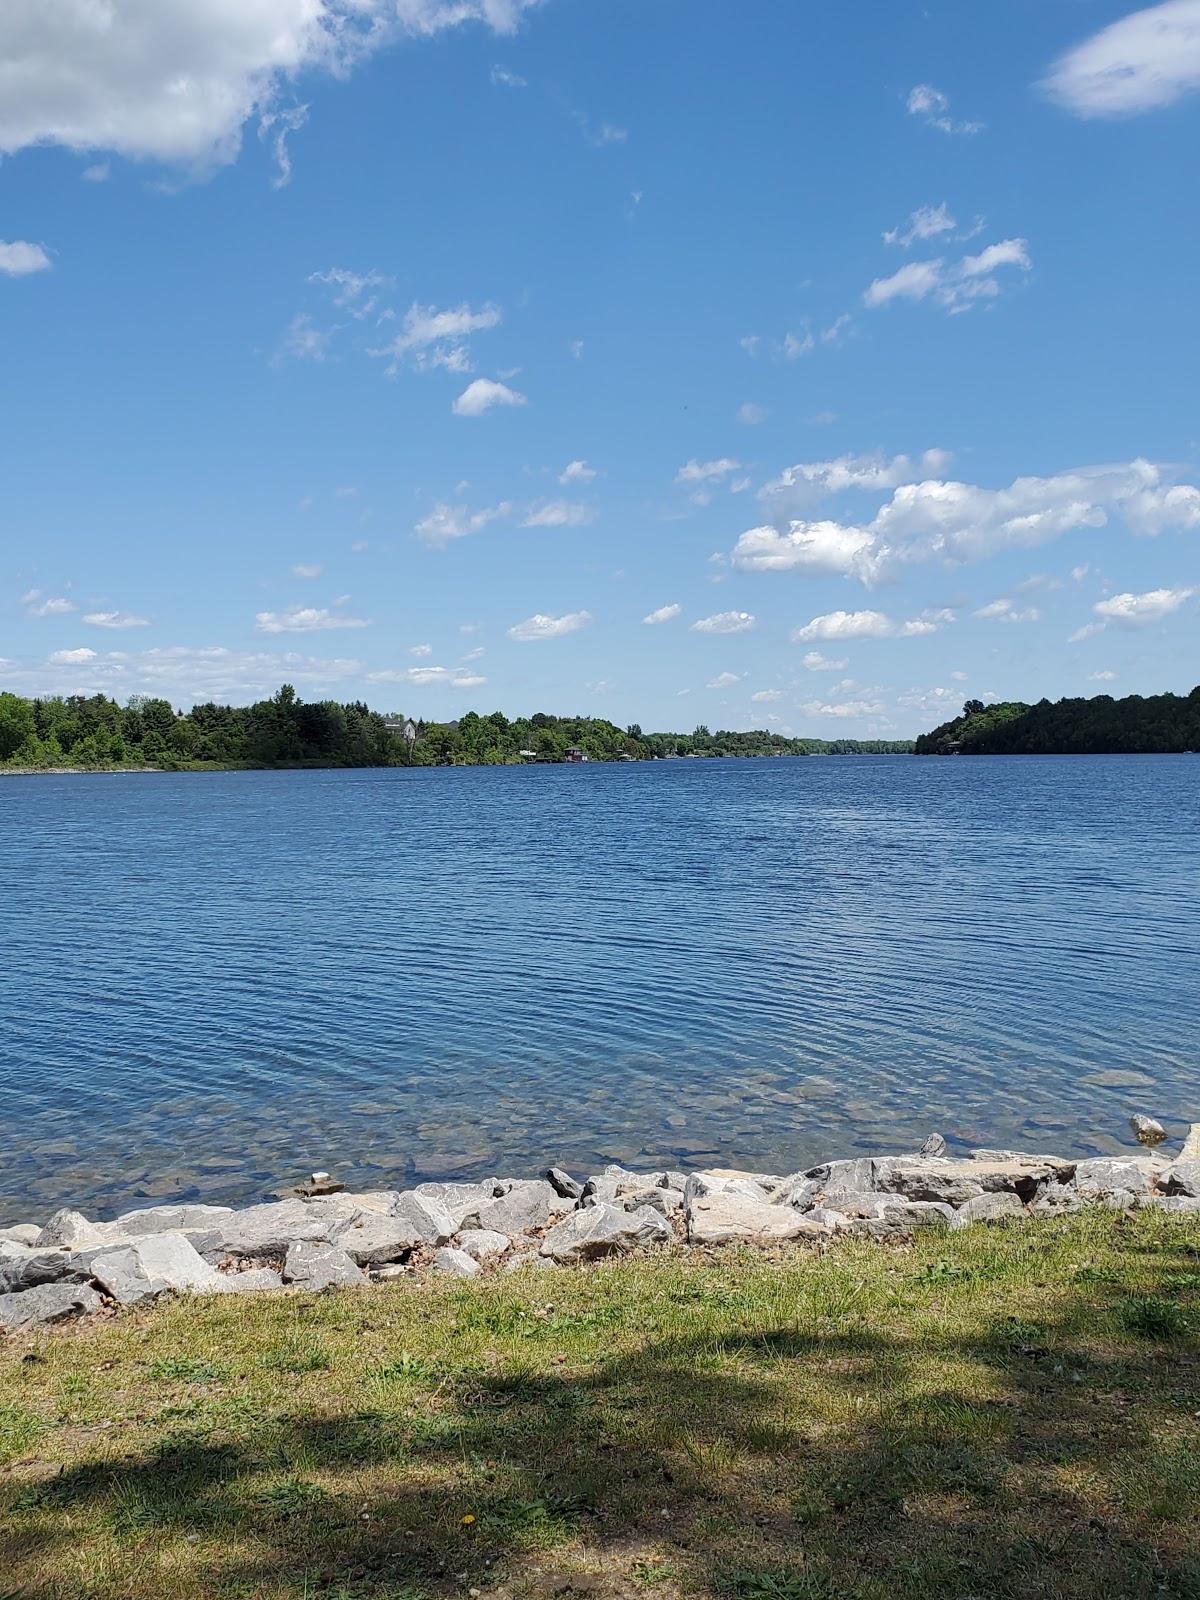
[[457, 1262], [321, 1266], [563, 1183], [935, 1145], [483, 1244], [389, 1274], [49, 1302], [665, 1201], [1148, 1131], [527, 1258], [1178, 1203]]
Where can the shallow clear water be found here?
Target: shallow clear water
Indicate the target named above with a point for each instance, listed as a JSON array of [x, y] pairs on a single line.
[[213, 983]]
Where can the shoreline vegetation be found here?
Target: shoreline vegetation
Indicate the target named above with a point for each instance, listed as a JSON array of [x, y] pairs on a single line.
[[1162, 724], [89, 733], [820, 1387]]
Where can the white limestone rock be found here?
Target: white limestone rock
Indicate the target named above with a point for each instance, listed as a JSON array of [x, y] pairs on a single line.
[[526, 1205], [312, 1265], [155, 1264], [483, 1244], [728, 1217], [457, 1262], [603, 1230]]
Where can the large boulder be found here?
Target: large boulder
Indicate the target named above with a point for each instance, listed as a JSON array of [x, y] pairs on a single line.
[[20, 1233], [35, 1267], [70, 1229], [456, 1262], [255, 1280], [528, 1204], [432, 1220], [1113, 1180], [49, 1302], [166, 1219], [152, 1265], [313, 1265], [483, 1244], [460, 1199], [666, 1201], [955, 1181], [715, 1181], [1182, 1178], [603, 1230], [1000, 1206], [264, 1232], [372, 1240], [728, 1216]]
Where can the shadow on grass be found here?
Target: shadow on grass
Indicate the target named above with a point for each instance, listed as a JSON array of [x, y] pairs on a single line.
[[789, 1463]]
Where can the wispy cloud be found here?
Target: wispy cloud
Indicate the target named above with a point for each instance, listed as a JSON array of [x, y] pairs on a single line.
[[725, 622], [305, 619], [540, 626], [115, 619], [558, 514], [1142, 62], [955, 285], [446, 522], [663, 614], [933, 107]]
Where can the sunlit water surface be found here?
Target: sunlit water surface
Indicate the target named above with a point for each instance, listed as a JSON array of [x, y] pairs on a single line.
[[213, 983]]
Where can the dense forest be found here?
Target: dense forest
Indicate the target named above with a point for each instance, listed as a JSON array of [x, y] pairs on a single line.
[[94, 731], [1138, 725]]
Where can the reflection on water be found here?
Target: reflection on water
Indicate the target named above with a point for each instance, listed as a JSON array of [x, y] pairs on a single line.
[[213, 983]]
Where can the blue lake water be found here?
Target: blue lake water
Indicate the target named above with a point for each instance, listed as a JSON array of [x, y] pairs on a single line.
[[213, 983]]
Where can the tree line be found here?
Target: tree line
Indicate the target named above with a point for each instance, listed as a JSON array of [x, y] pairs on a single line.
[[1156, 724], [95, 732]]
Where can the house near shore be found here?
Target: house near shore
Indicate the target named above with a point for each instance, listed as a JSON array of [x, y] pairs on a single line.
[[575, 755]]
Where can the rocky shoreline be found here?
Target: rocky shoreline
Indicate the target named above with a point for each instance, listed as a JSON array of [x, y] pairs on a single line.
[[324, 1237]]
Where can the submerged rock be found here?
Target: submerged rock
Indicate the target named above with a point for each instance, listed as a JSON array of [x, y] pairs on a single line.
[[1148, 1131]]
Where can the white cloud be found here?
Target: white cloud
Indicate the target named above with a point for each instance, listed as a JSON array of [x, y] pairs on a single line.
[[1101, 677], [926, 222], [558, 514], [867, 625], [1146, 60], [955, 285], [275, 126], [845, 708], [177, 83], [933, 107], [1136, 610], [50, 606], [181, 673], [304, 570], [305, 619], [18, 258], [446, 522], [540, 626], [663, 614], [810, 480], [115, 619], [706, 471], [482, 395], [937, 519], [355, 292], [575, 346], [767, 696], [426, 325], [420, 677], [723, 680], [507, 80], [303, 340], [1004, 610], [725, 622], [420, 649], [98, 172], [71, 658], [814, 661], [752, 414], [576, 472]]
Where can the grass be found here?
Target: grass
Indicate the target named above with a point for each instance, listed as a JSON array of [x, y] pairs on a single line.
[[998, 1413]]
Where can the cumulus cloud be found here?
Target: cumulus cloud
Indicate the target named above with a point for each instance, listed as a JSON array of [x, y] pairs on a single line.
[[420, 677], [446, 522], [955, 285], [814, 661], [431, 338], [115, 619], [305, 619], [939, 519], [182, 673], [1144, 61], [576, 472], [558, 514], [867, 625], [420, 649], [482, 395], [725, 622], [767, 696], [39, 605], [926, 222], [72, 658], [723, 680], [177, 84], [1101, 677], [1003, 610], [1134, 610], [706, 471], [663, 614], [540, 626], [18, 258], [933, 107]]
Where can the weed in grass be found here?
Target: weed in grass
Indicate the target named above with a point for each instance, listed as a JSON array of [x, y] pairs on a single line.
[[648, 1573], [297, 1359], [189, 1369], [286, 1499], [406, 1368], [18, 1431], [779, 1583], [1151, 1317]]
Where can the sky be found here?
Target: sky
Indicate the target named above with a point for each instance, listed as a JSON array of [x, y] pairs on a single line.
[[788, 365]]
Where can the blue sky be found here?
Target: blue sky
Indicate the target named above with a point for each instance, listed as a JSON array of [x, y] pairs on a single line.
[[788, 365]]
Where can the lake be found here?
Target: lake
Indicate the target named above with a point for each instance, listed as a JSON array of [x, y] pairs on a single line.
[[214, 983]]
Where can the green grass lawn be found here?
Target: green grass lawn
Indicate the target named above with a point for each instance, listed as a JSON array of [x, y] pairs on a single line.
[[990, 1413]]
